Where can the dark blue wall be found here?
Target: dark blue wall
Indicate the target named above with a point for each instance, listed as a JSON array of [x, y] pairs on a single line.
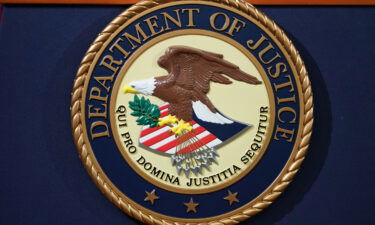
[[43, 181]]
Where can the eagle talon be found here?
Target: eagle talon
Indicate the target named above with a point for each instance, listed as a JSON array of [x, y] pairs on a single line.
[[167, 121], [182, 126]]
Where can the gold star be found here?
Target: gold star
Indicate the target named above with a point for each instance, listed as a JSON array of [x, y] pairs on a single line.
[[151, 197], [191, 206], [231, 198]]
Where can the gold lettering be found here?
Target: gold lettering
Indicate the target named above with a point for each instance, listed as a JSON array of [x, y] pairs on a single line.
[[264, 51], [285, 110], [168, 17], [278, 70], [284, 100], [97, 125], [191, 16], [108, 62], [286, 84], [98, 112], [118, 47], [137, 39], [213, 19], [284, 133], [152, 24], [257, 44], [236, 26], [103, 81], [95, 93]]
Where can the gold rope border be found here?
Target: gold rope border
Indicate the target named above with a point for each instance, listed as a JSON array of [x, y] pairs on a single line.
[[87, 160]]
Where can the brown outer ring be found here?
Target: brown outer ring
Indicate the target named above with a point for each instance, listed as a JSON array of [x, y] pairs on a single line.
[[240, 214]]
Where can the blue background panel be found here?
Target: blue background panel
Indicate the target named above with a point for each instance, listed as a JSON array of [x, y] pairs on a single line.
[[44, 182]]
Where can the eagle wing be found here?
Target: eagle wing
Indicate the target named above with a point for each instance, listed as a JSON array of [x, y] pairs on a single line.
[[195, 69]]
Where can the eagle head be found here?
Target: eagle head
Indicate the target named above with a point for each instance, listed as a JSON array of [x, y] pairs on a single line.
[[145, 87]]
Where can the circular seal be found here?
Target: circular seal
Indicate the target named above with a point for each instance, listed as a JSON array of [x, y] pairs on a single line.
[[192, 111]]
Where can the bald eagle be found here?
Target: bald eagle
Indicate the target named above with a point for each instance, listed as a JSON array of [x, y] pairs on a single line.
[[184, 89]]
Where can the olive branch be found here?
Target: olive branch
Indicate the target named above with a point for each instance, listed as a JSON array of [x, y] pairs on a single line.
[[147, 113]]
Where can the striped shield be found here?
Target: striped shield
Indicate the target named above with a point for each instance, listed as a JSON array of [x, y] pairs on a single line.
[[161, 139]]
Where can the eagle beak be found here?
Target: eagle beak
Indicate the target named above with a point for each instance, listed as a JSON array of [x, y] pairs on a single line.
[[128, 89]]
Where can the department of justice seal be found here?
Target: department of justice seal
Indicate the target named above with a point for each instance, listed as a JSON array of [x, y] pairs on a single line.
[[192, 111]]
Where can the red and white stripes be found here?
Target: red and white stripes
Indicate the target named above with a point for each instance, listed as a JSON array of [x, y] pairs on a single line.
[[163, 140]]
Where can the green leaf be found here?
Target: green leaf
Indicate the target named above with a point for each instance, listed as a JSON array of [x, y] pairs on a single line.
[[136, 99], [144, 104], [155, 112], [134, 107], [149, 109], [154, 124], [147, 113], [142, 120], [148, 121], [133, 103], [136, 113]]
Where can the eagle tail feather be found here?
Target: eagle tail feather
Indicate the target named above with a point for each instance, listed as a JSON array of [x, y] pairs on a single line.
[[203, 113]]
